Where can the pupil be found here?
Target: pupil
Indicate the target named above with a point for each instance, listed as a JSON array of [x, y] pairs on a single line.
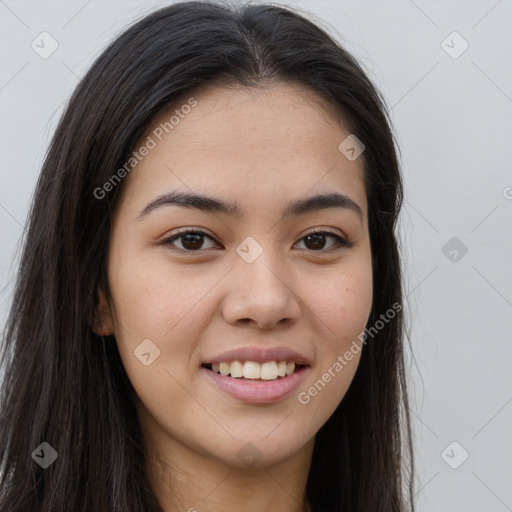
[[315, 238], [196, 241]]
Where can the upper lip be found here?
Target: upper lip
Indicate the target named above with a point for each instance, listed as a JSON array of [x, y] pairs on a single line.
[[260, 355]]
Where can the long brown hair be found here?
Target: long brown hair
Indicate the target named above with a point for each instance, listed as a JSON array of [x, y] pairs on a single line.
[[65, 386]]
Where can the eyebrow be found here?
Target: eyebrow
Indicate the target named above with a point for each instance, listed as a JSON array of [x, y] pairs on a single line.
[[213, 205]]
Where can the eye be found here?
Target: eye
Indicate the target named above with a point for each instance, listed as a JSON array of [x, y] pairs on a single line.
[[193, 240], [316, 240]]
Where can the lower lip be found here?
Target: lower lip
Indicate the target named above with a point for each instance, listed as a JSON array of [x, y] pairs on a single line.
[[258, 391]]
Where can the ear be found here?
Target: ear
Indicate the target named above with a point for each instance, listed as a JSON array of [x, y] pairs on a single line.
[[104, 324]]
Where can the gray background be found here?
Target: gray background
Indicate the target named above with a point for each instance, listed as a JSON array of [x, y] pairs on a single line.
[[452, 117]]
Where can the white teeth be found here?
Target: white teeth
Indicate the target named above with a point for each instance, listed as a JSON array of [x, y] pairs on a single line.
[[252, 370], [237, 369], [270, 370]]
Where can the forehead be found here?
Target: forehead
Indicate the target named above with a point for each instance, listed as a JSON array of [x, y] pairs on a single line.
[[258, 143]]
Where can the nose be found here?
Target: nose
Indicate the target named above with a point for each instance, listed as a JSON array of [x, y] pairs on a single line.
[[261, 293]]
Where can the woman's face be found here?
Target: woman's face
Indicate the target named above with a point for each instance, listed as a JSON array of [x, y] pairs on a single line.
[[255, 281]]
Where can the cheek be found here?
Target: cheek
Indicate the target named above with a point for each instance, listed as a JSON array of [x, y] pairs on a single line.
[[170, 308], [341, 306], [341, 309], [153, 298], [157, 313], [343, 303], [355, 301]]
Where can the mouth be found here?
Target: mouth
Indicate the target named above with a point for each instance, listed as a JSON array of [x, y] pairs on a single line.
[[256, 383], [254, 371]]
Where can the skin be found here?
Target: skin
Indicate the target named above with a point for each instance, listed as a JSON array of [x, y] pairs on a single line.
[[261, 147]]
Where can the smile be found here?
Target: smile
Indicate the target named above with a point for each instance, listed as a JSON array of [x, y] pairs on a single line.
[[256, 383], [270, 370]]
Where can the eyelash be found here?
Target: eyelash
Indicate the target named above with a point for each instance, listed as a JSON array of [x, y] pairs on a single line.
[[341, 242]]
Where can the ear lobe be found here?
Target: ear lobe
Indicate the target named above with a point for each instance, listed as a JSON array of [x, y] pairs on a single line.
[[103, 325]]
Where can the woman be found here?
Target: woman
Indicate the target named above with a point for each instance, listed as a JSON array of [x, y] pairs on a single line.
[[208, 312]]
